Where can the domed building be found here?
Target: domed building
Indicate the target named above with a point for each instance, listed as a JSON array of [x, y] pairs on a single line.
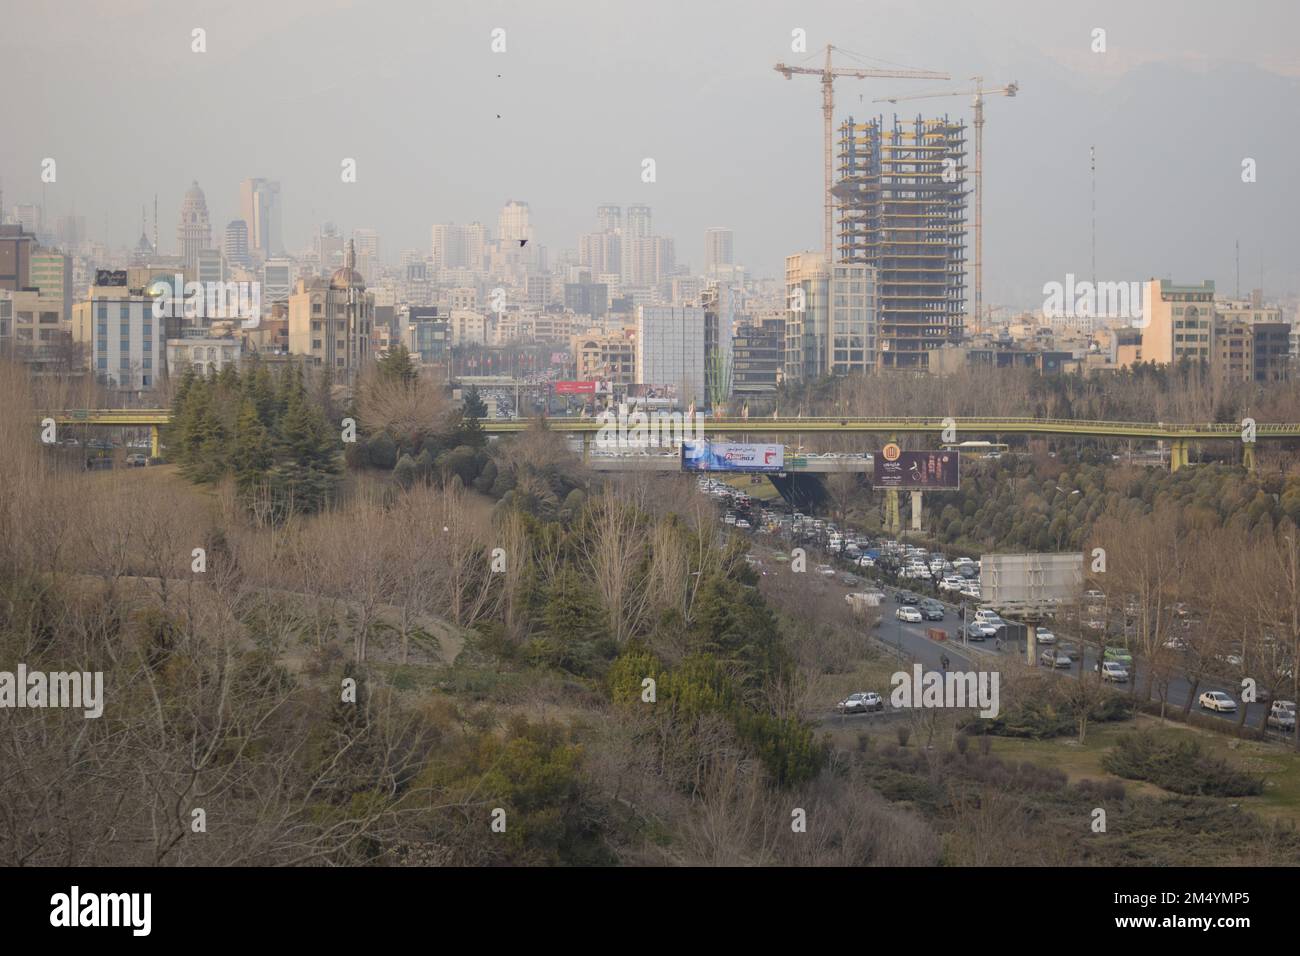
[[194, 231], [331, 321]]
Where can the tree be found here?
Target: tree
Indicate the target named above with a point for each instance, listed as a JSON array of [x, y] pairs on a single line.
[[397, 366], [252, 455]]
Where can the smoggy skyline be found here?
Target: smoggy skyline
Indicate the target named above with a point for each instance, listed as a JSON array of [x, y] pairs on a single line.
[[442, 129]]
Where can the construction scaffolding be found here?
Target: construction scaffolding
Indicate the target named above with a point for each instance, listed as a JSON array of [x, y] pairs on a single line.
[[902, 198]]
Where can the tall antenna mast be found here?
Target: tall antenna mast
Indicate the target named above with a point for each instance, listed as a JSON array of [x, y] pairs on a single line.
[[1238, 293], [1092, 161]]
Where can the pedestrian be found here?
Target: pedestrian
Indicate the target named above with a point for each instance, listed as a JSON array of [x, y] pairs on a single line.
[[997, 643], [943, 662]]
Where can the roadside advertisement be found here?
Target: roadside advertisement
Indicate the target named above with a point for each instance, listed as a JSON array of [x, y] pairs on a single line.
[[731, 456], [917, 470], [660, 392], [575, 388]]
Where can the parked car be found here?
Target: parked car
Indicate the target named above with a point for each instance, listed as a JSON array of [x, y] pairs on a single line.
[[1054, 659], [742, 524], [137, 461], [861, 703], [907, 597], [1044, 636], [1218, 701], [851, 580], [1112, 671], [910, 614], [825, 570]]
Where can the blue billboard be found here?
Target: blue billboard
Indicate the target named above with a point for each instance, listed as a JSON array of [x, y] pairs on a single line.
[[731, 456]]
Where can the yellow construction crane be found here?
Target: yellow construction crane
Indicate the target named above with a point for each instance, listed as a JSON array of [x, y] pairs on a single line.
[[828, 74], [978, 94]]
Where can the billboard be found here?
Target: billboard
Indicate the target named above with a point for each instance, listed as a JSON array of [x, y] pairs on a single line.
[[575, 388], [916, 470], [662, 392], [730, 456], [1030, 581]]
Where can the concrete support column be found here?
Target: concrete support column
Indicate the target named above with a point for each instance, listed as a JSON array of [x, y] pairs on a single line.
[[155, 443], [916, 511]]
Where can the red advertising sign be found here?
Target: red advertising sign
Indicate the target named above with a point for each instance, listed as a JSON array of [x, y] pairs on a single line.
[[575, 388]]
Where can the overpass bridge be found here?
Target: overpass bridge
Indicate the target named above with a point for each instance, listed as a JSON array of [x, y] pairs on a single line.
[[1178, 435]]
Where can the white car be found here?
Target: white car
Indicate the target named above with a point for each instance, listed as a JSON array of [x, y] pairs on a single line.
[[742, 524], [1113, 671], [861, 702], [910, 614], [1218, 701], [866, 562], [1044, 636], [825, 570]]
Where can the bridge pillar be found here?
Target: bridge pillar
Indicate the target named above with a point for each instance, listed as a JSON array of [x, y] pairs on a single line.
[[1248, 456], [916, 511], [1177, 454], [155, 445], [586, 448], [893, 521]]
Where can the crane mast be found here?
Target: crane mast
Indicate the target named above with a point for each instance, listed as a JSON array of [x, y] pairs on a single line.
[[828, 73]]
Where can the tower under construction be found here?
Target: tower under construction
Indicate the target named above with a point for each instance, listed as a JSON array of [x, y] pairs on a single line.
[[901, 192]]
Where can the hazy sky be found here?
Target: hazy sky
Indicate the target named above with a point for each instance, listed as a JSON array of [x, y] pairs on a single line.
[[288, 88]]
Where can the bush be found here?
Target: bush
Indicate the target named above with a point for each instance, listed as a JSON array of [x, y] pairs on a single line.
[[904, 734], [1180, 766]]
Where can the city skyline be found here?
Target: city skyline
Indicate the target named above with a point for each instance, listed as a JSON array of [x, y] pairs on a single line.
[[1038, 203]]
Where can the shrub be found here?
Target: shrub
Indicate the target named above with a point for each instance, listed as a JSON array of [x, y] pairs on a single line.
[[904, 734], [1181, 766]]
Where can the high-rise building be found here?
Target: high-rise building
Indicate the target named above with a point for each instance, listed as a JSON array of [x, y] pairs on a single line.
[[51, 273], [902, 197], [332, 321], [601, 252], [717, 248], [459, 247], [514, 223], [236, 242], [831, 322], [259, 204], [277, 280], [670, 350], [193, 231], [758, 355], [638, 222], [609, 218], [16, 248]]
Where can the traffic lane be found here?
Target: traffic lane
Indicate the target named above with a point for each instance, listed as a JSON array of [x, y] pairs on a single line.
[[1179, 686]]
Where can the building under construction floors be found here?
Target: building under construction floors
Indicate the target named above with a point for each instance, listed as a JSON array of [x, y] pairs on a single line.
[[901, 193]]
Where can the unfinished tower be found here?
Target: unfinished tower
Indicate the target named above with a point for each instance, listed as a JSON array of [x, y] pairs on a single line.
[[901, 192]]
